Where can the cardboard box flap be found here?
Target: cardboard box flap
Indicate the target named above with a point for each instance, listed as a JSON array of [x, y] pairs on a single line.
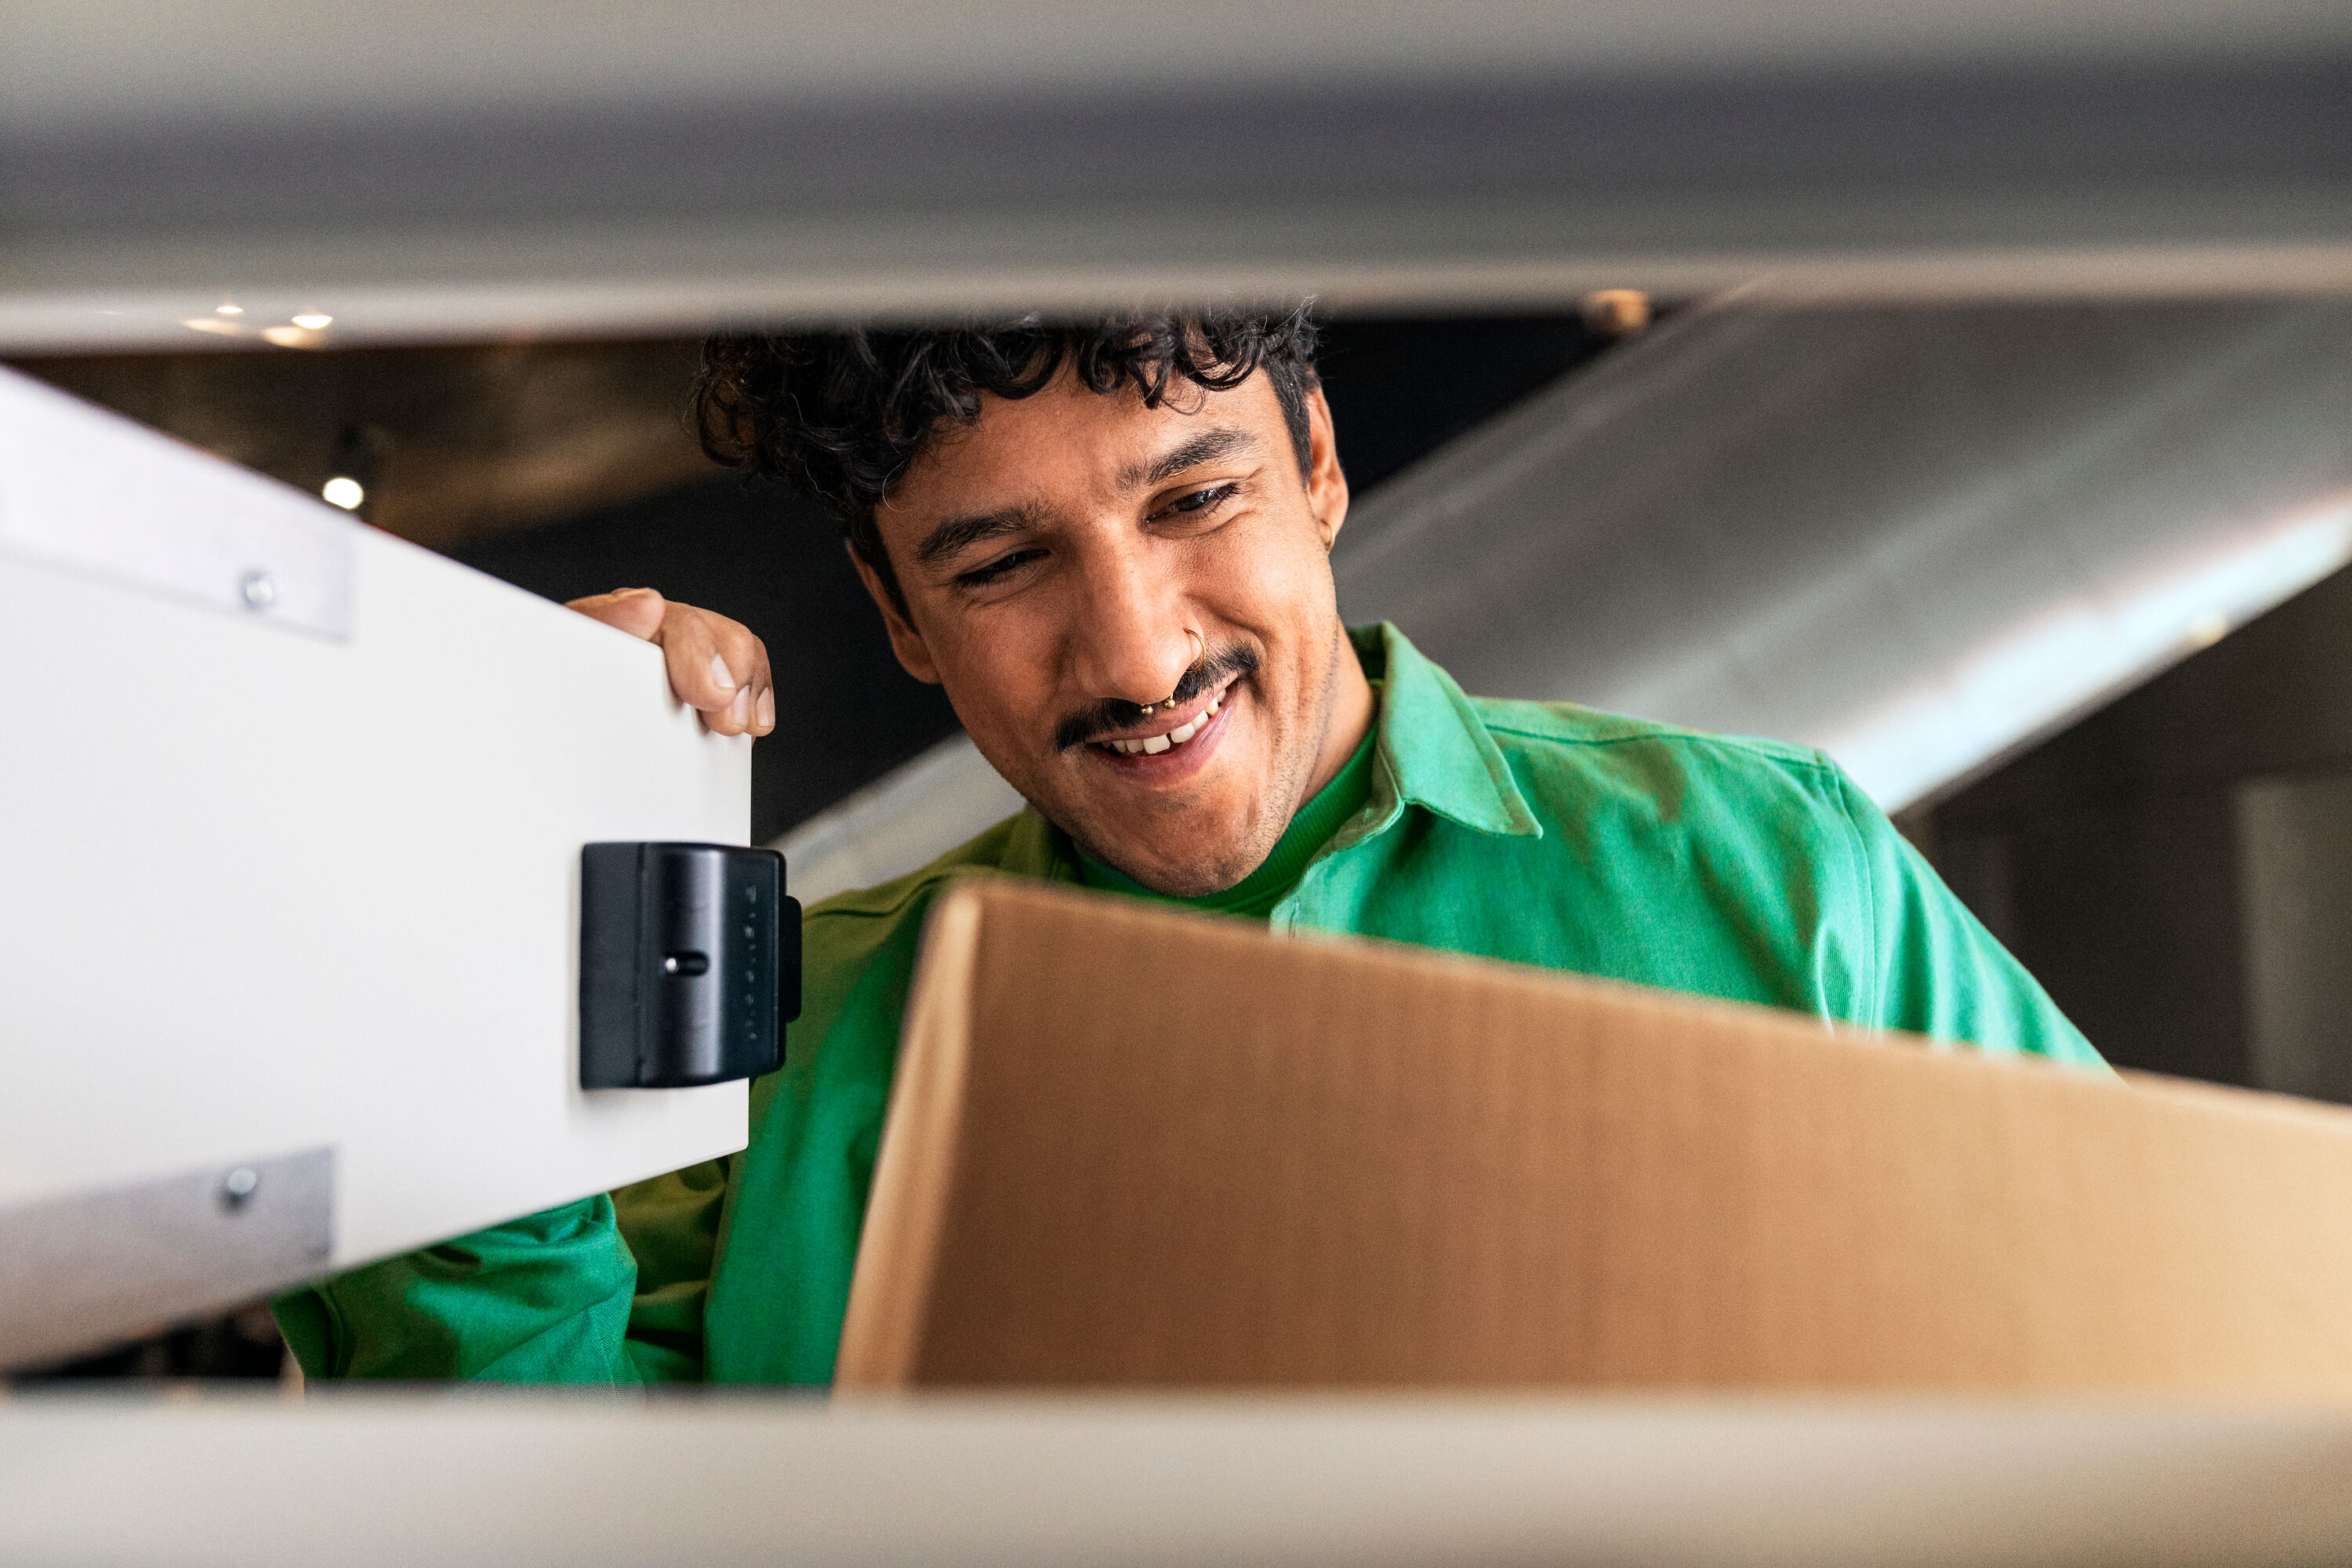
[[1131, 1146]]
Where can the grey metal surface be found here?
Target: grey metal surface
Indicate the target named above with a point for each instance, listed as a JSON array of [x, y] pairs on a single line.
[[907, 818], [87, 1270], [676, 167], [1915, 538], [101, 496], [1694, 1483]]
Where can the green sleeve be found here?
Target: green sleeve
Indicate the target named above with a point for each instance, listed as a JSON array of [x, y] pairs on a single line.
[[585, 1293], [1935, 968], [671, 1227]]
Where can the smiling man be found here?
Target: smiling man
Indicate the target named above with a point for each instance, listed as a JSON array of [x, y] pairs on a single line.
[[1109, 543]]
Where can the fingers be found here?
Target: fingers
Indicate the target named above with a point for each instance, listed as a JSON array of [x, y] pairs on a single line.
[[719, 668], [637, 611], [716, 667]]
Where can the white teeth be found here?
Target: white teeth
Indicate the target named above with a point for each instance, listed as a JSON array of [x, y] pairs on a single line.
[[1153, 745]]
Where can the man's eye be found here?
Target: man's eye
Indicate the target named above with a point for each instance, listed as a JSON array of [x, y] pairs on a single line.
[[1199, 500], [980, 576]]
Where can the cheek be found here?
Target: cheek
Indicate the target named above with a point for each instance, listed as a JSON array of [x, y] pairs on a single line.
[[1276, 586], [999, 674]]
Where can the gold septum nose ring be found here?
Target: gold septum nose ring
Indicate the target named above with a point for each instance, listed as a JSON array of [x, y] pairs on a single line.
[[1200, 654]]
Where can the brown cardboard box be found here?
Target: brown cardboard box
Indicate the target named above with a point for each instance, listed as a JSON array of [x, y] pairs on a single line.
[[1134, 1147]]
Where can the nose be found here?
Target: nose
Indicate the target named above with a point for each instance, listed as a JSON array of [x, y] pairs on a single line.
[[1132, 641]]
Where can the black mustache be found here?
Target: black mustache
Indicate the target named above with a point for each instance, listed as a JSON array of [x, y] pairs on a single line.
[[1112, 713]]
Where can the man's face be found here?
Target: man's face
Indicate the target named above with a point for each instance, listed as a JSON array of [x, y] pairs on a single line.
[[1060, 557]]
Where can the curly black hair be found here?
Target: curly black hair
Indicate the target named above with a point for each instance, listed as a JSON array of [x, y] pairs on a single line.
[[840, 416]]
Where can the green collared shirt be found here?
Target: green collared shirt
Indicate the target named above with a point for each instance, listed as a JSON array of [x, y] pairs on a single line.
[[1540, 833]]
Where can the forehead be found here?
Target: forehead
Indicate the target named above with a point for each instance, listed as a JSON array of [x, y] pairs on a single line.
[[1069, 441]]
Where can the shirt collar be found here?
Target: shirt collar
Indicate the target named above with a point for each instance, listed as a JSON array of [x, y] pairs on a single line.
[[1437, 749]]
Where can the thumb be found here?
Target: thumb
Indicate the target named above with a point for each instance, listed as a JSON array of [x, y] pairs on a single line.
[[637, 611]]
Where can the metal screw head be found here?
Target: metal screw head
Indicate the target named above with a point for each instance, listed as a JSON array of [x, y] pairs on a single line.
[[259, 589], [239, 1185]]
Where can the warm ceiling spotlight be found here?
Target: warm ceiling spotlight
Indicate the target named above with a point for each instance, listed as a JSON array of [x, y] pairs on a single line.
[[312, 320], [1615, 313], [342, 490], [288, 337], [226, 309]]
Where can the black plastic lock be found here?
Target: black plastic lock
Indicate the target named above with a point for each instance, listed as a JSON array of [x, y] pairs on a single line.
[[689, 964]]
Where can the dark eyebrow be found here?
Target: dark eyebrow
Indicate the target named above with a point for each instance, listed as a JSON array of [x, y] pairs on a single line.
[[959, 533], [1190, 453]]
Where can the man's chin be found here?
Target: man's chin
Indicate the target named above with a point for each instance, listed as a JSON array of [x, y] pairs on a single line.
[[1190, 881], [1186, 855]]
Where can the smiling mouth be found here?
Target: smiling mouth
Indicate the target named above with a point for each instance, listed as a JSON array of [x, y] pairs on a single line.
[[1174, 735]]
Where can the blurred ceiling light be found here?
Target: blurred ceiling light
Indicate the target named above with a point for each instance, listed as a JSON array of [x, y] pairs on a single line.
[[1615, 313], [312, 320], [342, 490], [290, 337], [226, 309], [222, 329]]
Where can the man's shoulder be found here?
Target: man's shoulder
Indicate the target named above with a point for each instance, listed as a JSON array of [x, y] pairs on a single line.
[[845, 936], [1579, 766], [1586, 738], [990, 852]]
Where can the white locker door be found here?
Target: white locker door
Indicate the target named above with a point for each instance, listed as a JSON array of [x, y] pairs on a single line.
[[290, 818]]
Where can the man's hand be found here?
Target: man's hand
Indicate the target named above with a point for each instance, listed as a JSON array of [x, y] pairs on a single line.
[[716, 666]]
